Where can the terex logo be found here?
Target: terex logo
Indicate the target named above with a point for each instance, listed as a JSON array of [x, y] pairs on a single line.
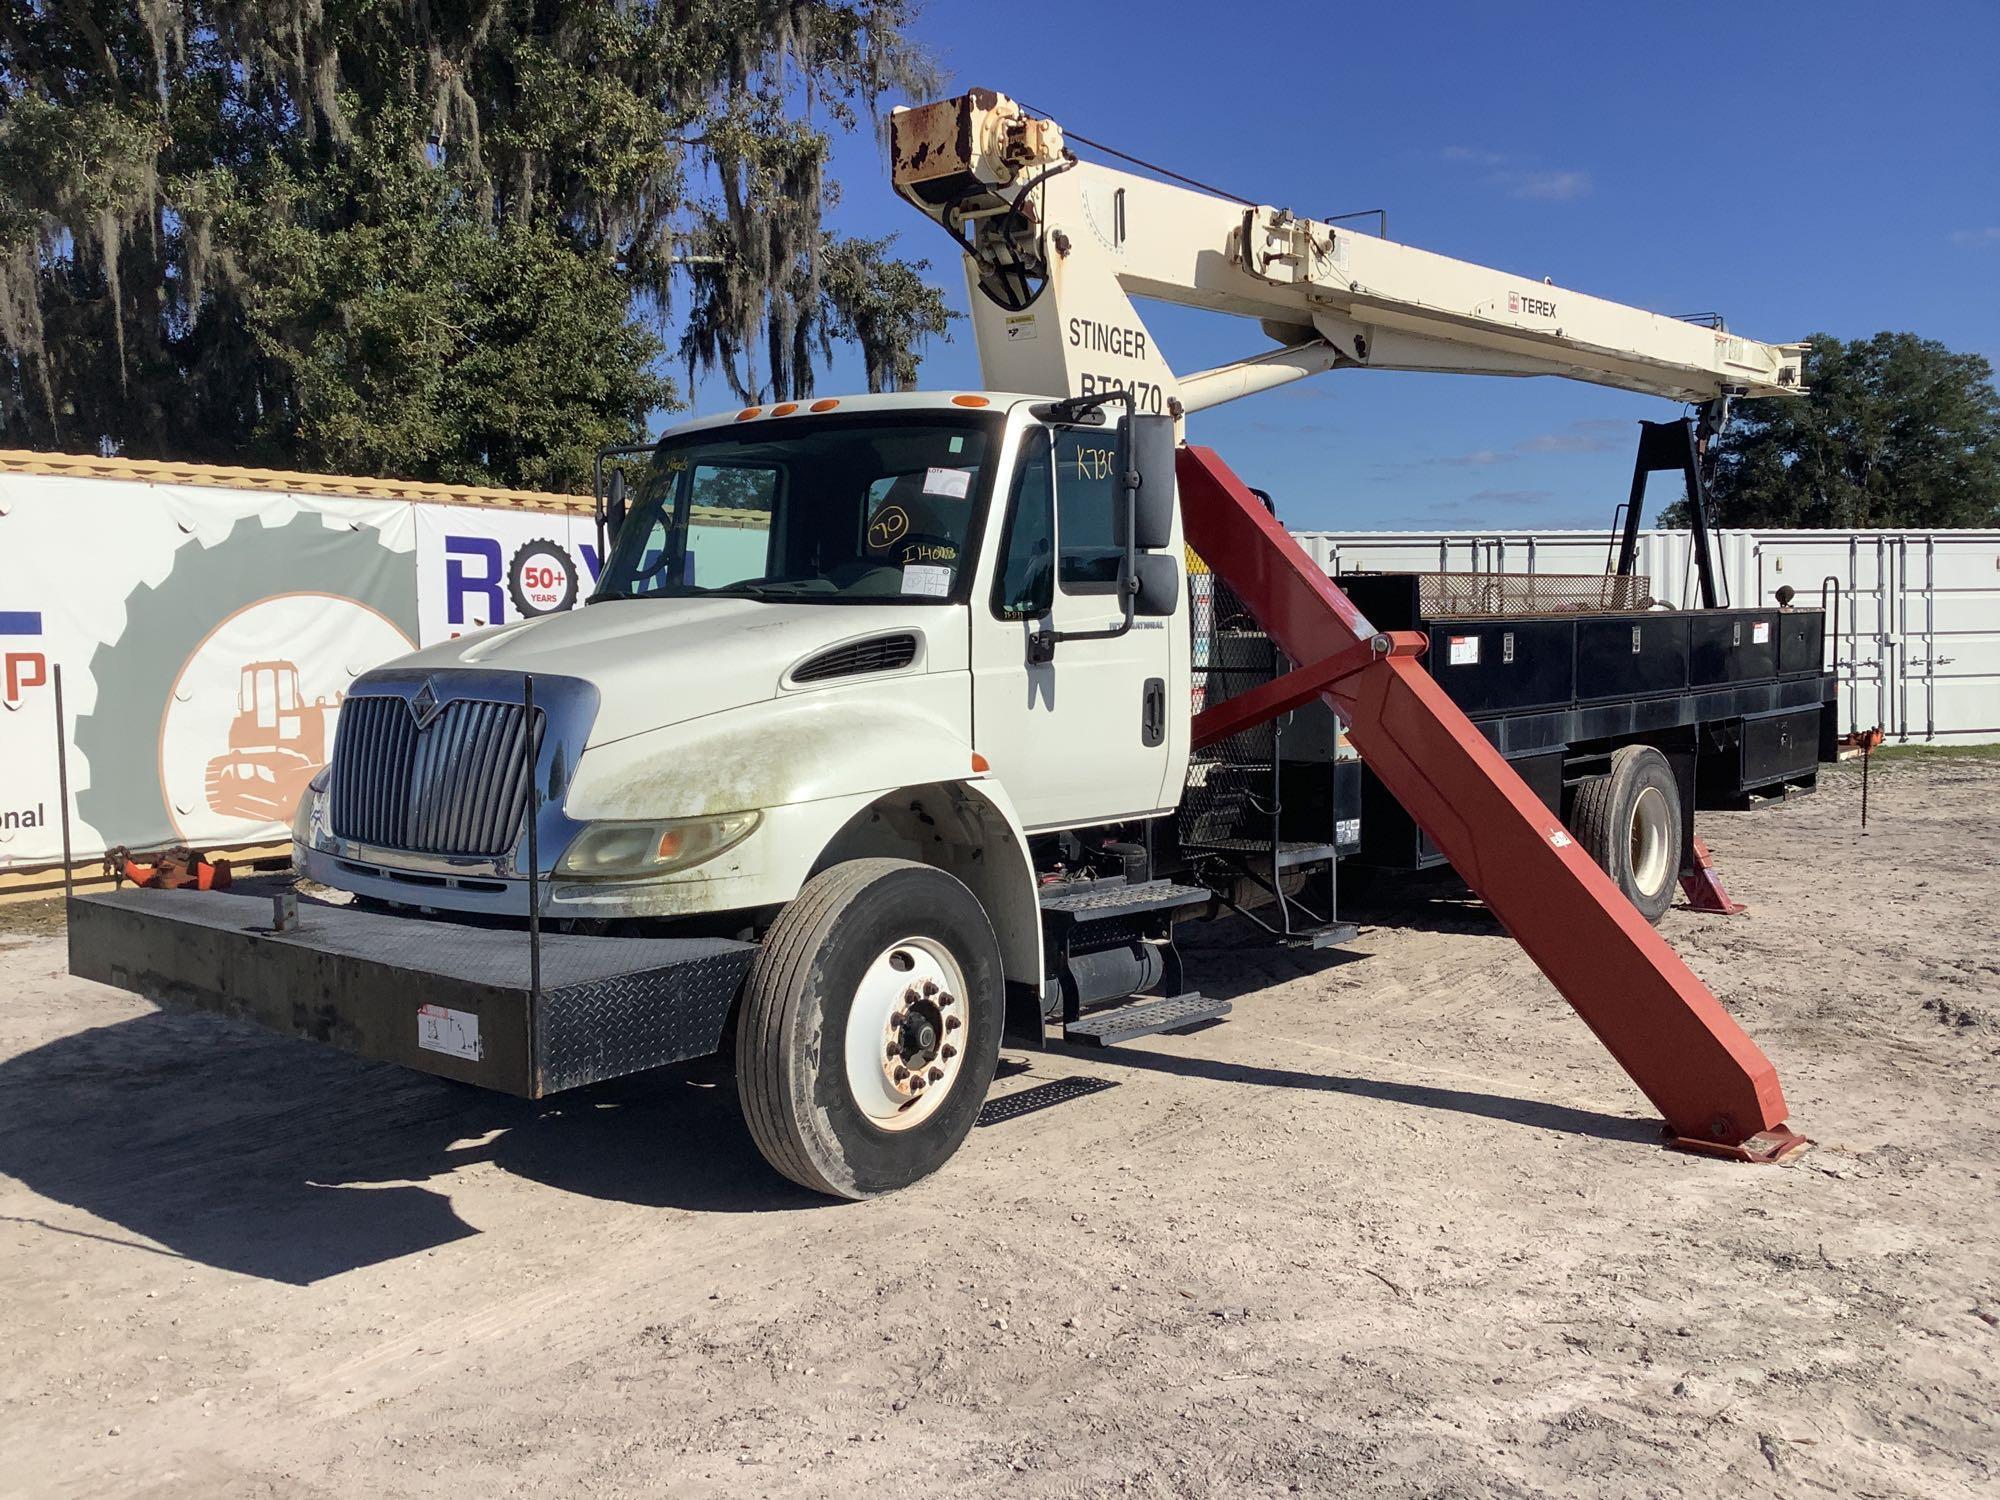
[[21, 670], [1534, 307]]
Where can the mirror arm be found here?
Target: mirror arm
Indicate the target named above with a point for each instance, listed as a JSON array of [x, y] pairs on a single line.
[[597, 500], [608, 510]]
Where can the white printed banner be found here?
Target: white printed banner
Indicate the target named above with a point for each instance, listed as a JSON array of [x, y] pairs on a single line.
[[478, 567], [206, 638]]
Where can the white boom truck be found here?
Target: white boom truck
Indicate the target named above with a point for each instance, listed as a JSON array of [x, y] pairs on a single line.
[[870, 745]]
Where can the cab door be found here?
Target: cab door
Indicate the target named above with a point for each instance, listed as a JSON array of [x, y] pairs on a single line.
[[1085, 735]]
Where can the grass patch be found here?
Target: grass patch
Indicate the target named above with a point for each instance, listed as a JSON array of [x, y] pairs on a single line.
[[31, 918], [1936, 752]]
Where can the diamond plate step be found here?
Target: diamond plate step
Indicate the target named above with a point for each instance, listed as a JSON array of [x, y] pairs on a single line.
[[1100, 900], [1123, 1023], [1330, 936]]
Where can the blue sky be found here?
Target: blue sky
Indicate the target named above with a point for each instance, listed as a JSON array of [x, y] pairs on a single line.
[[1796, 167]]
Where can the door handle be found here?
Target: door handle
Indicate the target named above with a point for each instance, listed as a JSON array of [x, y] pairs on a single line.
[[1153, 713]]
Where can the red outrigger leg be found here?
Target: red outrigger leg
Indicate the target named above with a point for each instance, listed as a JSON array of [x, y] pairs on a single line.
[[1704, 888], [1718, 1092]]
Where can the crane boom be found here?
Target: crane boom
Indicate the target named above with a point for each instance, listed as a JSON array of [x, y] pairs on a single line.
[[1057, 248]]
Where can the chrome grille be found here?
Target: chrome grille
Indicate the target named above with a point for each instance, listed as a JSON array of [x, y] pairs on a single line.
[[458, 786]]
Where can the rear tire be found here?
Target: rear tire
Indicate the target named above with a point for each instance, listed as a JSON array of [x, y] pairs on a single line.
[[870, 1027], [1630, 822]]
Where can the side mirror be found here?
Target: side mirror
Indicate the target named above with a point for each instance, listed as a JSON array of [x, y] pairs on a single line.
[[1156, 580], [1146, 454], [614, 504]]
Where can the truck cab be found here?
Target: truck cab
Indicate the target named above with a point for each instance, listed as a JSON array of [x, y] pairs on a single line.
[[943, 638], [804, 616]]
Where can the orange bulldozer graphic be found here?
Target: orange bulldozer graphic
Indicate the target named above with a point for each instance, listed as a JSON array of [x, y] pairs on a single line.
[[277, 743]]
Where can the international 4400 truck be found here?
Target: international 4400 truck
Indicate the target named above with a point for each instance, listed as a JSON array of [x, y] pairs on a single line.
[[899, 725]]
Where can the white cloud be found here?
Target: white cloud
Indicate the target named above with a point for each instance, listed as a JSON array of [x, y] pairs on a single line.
[[1544, 187], [1987, 237], [1578, 438], [1519, 177], [1587, 435], [1480, 500], [1509, 497]]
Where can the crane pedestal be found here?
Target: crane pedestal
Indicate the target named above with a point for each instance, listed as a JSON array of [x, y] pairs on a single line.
[[1717, 1091]]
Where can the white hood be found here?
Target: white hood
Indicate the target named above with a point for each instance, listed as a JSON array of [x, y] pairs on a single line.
[[656, 662]]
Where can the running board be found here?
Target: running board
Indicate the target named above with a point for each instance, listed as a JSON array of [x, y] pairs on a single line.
[[1137, 1018], [1087, 901], [1333, 935], [1718, 1092]]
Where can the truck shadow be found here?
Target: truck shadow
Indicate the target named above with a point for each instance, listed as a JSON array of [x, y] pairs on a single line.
[[1442, 909], [1562, 1118], [280, 1159]]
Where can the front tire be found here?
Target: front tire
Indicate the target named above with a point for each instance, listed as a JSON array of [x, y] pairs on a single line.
[[1630, 823], [870, 1027]]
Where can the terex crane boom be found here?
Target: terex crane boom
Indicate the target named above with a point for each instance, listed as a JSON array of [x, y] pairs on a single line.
[[1057, 248]]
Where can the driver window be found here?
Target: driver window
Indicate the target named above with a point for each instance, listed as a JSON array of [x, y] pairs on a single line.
[[1086, 461], [1023, 588]]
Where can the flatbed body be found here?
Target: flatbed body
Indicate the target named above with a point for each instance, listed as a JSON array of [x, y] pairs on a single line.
[[1738, 699]]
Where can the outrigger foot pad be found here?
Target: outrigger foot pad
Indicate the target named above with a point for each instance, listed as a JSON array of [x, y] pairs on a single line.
[[1766, 1148]]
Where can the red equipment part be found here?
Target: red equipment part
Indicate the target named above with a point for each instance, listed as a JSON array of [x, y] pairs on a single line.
[[1718, 1092], [1704, 888], [179, 869]]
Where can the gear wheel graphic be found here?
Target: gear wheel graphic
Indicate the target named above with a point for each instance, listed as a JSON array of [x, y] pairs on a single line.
[[119, 739], [517, 578]]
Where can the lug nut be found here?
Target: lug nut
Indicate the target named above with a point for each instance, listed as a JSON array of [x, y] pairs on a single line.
[[901, 1072], [895, 1018], [912, 994], [947, 998], [930, 988], [935, 1074], [950, 1051], [952, 1023]]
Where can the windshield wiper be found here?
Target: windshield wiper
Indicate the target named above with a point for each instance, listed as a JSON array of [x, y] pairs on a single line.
[[763, 593]]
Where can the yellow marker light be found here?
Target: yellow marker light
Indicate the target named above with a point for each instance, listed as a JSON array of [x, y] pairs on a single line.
[[827, 405], [748, 412], [970, 401], [784, 408]]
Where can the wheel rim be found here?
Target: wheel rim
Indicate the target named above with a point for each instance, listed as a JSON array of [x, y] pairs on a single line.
[[906, 1033], [1651, 855]]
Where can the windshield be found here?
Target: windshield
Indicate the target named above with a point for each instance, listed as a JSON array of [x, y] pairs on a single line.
[[817, 508]]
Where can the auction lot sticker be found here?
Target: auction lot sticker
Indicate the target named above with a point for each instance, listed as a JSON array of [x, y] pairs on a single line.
[[455, 1033]]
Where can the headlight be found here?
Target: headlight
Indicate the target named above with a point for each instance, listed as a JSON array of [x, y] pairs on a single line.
[[635, 849], [305, 817]]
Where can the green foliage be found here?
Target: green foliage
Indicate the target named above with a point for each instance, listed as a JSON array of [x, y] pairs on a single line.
[[884, 305], [430, 241], [1893, 431]]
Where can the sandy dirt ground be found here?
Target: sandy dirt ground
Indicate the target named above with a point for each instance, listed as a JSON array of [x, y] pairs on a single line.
[[1398, 1227]]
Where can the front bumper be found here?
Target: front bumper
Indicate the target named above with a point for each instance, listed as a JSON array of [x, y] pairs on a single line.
[[438, 996]]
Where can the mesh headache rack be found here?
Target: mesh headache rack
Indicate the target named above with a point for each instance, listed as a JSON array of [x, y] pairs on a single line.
[[1444, 596]]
